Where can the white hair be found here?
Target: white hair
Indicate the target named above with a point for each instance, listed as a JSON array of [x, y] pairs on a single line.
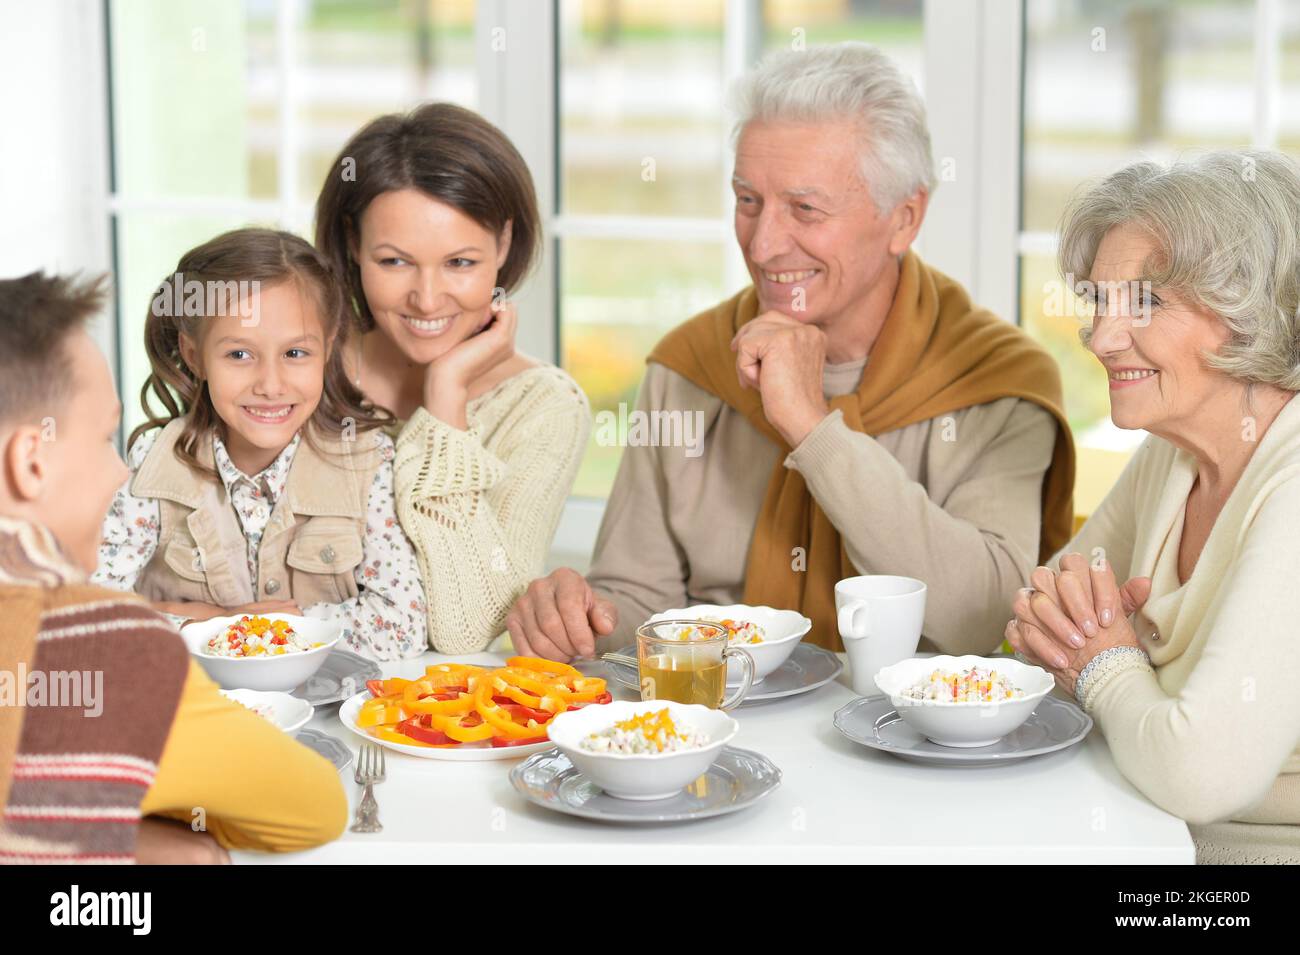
[[1227, 230], [853, 81]]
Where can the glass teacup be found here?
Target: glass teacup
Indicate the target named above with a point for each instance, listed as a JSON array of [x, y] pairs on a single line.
[[686, 661]]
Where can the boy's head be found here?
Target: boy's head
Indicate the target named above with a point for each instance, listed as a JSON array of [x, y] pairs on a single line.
[[59, 412]]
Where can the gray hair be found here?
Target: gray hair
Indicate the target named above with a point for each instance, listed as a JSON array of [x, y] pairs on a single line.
[[1227, 229], [847, 80]]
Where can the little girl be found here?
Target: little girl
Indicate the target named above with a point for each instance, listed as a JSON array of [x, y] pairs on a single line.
[[270, 484]]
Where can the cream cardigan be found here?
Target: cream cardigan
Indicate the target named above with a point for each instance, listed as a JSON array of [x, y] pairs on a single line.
[[482, 505], [1211, 733]]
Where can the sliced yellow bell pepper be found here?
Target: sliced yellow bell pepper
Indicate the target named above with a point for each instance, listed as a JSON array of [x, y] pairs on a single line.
[[549, 667], [379, 711], [453, 727], [392, 736], [500, 719], [412, 703]]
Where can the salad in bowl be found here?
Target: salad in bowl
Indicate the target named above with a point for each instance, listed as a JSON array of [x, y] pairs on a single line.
[[261, 652], [964, 701], [647, 749]]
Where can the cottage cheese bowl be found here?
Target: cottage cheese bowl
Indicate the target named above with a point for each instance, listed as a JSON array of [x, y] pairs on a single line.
[[627, 762], [297, 659], [964, 701], [779, 632]]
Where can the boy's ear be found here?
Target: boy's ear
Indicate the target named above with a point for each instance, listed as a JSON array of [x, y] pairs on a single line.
[[25, 469], [190, 355]]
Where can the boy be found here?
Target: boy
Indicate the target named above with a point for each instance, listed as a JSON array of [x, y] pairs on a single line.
[[104, 718]]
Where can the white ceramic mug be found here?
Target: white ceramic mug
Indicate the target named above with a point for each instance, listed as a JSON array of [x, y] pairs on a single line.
[[880, 620]]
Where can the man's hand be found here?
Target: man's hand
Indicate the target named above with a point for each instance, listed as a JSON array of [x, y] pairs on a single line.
[[559, 618], [784, 360]]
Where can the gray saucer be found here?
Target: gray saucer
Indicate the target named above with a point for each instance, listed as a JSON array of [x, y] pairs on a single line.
[[342, 675], [738, 778], [328, 746], [873, 721], [807, 668]]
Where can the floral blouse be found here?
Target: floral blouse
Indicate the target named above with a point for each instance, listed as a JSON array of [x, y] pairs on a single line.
[[387, 618]]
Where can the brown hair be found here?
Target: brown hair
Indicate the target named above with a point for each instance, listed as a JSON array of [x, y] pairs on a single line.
[[266, 256], [38, 313], [450, 154]]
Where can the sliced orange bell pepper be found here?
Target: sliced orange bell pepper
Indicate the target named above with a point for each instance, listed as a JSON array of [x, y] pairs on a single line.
[[550, 667], [379, 711], [412, 703], [454, 726], [500, 719], [582, 690], [392, 736], [450, 674], [394, 685], [538, 684]]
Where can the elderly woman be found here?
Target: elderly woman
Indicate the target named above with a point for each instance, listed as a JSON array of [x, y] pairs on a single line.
[[1192, 668]]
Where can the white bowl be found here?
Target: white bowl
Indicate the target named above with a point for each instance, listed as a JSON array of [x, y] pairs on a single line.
[[964, 724], [783, 629], [288, 713], [263, 673], [641, 775]]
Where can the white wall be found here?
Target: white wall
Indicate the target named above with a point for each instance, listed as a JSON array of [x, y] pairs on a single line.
[[53, 155]]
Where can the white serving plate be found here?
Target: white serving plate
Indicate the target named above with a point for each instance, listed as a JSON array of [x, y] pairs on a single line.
[[466, 752]]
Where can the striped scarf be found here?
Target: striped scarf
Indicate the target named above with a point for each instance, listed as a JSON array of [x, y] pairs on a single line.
[[90, 680]]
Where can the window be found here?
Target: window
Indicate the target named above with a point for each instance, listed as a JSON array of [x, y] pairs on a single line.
[[1109, 83], [229, 114]]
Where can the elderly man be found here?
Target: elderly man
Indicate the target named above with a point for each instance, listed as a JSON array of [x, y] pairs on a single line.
[[861, 415]]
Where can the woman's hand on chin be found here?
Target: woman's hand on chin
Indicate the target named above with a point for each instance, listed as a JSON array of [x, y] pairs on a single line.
[[450, 377]]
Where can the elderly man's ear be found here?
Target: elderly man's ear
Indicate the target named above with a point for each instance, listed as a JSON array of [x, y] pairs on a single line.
[[25, 469], [905, 221]]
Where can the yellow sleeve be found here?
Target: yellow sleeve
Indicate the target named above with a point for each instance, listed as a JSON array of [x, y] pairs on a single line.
[[253, 786]]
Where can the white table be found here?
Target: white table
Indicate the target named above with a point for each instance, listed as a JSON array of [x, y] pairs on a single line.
[[837, 802]]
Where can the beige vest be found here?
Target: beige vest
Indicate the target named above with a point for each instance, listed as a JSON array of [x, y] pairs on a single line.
[[311, 545]]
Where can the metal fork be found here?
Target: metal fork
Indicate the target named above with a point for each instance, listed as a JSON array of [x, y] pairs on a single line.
[[370, 770]]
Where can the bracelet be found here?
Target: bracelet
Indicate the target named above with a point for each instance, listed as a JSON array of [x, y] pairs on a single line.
[[1104, 664]]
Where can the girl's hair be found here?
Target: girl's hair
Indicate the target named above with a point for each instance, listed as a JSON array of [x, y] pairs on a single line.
[[450, 154], [208, 283]]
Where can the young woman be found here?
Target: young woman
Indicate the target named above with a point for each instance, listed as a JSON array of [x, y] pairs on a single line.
[[432, 221]]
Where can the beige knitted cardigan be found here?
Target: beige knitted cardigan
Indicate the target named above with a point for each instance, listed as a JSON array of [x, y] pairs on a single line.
[[481, 505], [1210, 731]]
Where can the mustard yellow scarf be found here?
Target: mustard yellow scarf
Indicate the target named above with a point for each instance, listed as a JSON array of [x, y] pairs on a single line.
[[936, 353]]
